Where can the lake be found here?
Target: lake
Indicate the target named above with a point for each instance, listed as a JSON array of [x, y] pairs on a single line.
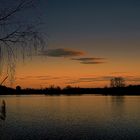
[[86, 117]]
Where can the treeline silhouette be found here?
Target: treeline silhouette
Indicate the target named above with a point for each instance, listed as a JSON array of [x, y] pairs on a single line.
[[128, 90]]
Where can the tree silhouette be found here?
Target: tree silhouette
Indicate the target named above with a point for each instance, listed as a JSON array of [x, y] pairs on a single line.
[[117, 82], [18, 35], [18, 88]]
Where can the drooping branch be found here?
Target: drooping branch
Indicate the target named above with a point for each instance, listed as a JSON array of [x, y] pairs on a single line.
[[18, 34]]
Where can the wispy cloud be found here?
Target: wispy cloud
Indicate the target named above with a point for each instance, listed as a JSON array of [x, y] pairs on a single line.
[[128, 79], [90, 60], [89, 79], [42, 77], [62, 52]]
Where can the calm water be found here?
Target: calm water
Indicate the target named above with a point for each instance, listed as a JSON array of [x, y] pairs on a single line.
[[86, 117]]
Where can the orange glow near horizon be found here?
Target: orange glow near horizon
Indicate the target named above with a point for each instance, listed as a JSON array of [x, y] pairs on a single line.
[[44, 71], [63, 72]]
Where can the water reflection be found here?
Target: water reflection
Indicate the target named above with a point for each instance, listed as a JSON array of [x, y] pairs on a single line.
[[117, 105], [84, 117], [118, 100], [3, 110]]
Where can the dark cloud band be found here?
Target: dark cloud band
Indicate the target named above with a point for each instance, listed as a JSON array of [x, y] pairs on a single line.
[[90, 60], [65, 52], [62, 52]]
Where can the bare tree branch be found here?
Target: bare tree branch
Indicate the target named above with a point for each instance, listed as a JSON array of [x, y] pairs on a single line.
[[13, 35], [18, 8]]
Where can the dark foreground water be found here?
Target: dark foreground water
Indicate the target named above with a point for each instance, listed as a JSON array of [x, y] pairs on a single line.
[[86, 117]]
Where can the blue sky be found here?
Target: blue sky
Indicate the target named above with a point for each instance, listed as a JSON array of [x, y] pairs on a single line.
[[93, 18]]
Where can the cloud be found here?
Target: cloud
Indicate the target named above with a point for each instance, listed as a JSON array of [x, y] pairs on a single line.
[[42, 77], [62, 52], [89, 80], [90, 60], [119, 72], [70, 53], [128, 79]]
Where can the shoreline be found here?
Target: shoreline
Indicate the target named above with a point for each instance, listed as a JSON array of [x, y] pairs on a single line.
[[129, 90]]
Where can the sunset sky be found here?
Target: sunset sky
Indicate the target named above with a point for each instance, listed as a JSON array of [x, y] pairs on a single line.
[[88, 42]]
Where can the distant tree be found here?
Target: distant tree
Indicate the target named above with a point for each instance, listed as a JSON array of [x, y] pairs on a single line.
[[58, 88], [18, 88], [52, 87], [18, 34], [117, 82], [68, 87]]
